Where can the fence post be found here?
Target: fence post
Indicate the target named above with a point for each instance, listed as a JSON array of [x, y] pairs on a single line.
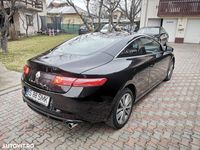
[[49, 32]]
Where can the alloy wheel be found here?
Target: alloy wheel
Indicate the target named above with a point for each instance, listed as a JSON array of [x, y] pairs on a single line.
[[124, 108]]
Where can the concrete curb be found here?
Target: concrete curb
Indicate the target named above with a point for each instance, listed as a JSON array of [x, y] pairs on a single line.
[[10, 89], [2, 68], [9, 80]]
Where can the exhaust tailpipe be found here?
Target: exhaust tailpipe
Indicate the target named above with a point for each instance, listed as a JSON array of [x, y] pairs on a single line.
[[71, 125]]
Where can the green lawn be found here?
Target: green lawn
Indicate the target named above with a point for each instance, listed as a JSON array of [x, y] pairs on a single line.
[[21, 50]]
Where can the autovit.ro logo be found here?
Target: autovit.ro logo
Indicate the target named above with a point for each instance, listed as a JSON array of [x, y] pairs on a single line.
[[17, 146]]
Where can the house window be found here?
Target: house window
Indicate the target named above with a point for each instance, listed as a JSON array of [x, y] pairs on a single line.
[[115, 16], [29, 19], [1, 21]]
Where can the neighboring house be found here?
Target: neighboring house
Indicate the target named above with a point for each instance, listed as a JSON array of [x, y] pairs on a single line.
[[118, 17], [181, 18], [28, 17], [118, 14], [63, 17]]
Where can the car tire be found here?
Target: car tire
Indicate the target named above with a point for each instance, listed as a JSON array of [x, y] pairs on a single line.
[[170, 71], [122, 109]]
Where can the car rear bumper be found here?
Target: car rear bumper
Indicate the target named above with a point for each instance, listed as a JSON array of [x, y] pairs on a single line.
[[91, 109]]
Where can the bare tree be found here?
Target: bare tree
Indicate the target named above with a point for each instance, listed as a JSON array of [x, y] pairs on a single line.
[[88, 18], [7, 10], [130, 9], [111, 6], [98, 15]]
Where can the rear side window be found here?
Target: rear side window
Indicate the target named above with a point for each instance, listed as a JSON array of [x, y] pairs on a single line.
[[150, 45], [134, 49]]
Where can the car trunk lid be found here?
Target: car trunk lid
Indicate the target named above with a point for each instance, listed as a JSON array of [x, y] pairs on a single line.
[[44, 68], [73, 63]]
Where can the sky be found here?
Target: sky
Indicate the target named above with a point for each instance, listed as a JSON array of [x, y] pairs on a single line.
[[79, 3]]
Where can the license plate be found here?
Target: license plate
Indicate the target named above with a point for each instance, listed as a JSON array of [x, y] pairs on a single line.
[[38, 97]]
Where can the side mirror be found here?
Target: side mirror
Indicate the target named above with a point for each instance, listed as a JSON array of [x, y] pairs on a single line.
[[162, 36], [168, 48]]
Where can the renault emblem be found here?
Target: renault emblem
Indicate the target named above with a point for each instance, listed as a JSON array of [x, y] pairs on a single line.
[[37, 75]]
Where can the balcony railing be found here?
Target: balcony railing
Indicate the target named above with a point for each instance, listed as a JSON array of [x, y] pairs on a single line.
[[170, 8], [31, 4]]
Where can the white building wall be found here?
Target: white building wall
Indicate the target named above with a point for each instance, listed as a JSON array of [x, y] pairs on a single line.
[[149, 11], [44, 12], [31, 29], [143, 16], [181, 27], [152, 10]]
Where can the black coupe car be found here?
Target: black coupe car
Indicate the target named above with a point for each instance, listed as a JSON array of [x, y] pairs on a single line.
[[157, 32], [96, 77]]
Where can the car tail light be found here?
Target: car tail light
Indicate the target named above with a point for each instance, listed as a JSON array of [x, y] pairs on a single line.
[[26, 70], [90, 82], [66, 81], [79, 82]]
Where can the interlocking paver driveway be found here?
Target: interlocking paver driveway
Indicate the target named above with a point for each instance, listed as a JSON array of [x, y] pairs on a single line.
[[167, 118]]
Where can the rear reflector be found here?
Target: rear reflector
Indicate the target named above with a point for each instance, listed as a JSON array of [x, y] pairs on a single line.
[[26, 70], [79, 82]]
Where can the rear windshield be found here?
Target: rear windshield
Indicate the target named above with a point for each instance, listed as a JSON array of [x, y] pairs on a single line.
[[86, 44], [149, 31]]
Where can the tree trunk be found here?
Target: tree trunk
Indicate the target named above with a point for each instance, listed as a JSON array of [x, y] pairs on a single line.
[[132, 26], [27, 31], [12, 32], [110, 22], [110, 25], [4, 43]]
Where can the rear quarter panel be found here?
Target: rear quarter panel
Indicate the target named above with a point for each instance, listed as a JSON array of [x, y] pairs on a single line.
[[121, 72]]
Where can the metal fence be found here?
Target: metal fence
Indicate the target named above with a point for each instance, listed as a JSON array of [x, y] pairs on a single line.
[[70, 28], [66, 28]]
